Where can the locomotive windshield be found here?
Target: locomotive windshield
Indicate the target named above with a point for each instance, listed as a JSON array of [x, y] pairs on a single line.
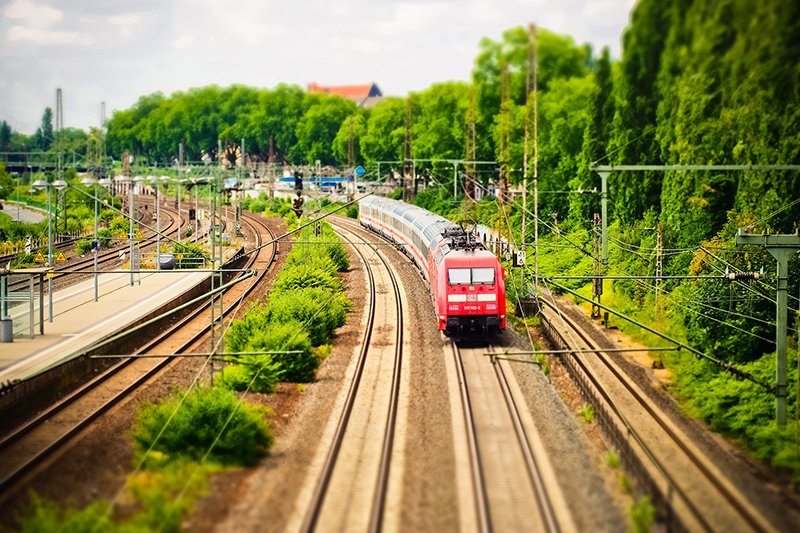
[[470, 276], [458, 276], [483, 276]]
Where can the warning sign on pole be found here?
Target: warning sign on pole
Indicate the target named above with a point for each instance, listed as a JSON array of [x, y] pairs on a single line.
[[39, 258], [180, 257], [61, 257], [139, 235]]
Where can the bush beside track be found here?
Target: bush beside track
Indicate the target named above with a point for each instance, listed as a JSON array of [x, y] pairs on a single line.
[[306, 307]]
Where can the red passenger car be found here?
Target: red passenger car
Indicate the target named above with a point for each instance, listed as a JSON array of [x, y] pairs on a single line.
[[467, 282]]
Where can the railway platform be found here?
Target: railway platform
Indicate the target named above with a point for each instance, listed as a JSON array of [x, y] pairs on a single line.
[[79, 322]]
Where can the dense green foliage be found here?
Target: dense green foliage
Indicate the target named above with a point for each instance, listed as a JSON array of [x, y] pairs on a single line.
[[151, 491], [305, 308], [200, 421]]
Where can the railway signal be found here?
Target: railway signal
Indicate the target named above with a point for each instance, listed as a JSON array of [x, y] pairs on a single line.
[[298, 181], [297, 206]]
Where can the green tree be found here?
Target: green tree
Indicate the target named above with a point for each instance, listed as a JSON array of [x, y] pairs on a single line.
[[6, 181], [317, 128], [595, 141], [5, 137], [44, 134], [341, 145], [385, 135]]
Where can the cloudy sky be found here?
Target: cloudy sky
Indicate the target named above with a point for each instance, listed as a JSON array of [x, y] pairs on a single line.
[[116, 51]]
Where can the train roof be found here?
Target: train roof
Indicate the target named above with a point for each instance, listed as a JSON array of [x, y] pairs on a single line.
[[421, 218]]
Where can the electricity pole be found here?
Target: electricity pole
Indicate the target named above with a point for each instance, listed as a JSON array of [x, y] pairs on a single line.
[[782, 248]]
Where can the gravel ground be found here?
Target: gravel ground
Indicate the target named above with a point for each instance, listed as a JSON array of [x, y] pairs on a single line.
[[766, 489], [575, 455], [429, 499]]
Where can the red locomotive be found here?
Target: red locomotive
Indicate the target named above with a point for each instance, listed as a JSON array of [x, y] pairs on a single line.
[[466, 280]]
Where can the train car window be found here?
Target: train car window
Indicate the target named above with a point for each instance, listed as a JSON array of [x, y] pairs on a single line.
[[483, 276], [458, 276]]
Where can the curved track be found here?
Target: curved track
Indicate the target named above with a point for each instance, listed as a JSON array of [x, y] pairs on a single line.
[[329, 509], [658, 452], [30, 444]]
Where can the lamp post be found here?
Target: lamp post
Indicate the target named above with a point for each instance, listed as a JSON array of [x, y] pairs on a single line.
[[131, 183], [178, 194], [59, 185], [105, 182], [155, 181]]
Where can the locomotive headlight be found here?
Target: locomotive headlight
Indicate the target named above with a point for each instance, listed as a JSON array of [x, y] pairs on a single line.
[[452, 307], [491, 307]]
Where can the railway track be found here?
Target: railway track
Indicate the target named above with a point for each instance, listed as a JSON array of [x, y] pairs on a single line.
[[509, 490], [690, 493], [103, 258], [27, 446], [358, 461]]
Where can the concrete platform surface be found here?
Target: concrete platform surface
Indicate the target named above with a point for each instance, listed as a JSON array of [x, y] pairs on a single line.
[[79, 322]]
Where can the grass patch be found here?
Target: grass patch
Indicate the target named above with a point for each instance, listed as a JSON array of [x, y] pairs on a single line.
[[155, 501], [611, 458], [587, 412], [642, 515], [5, 221]]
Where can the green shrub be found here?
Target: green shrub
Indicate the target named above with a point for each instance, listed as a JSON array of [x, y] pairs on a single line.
[[288, 336], [325, 202], [352, 211], [24, 260], [43, 515], [83, 247], [192, 254], [396, 194], [301, 276], [643, 515], [587, 412], [306, 307], [104, 236], [120, 225], [196, 424], [256, 373], [313, 257]]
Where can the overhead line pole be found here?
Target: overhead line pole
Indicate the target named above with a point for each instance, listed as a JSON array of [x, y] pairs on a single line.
[[781, 247]]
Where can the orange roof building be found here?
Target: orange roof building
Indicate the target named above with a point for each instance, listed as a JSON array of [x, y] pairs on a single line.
[[363, 95]]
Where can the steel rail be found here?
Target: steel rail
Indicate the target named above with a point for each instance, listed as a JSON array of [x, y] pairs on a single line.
[[382, 485], [102, 258], [545, 505], [478, 478], [23, 430], [318, 497], [659, 419]]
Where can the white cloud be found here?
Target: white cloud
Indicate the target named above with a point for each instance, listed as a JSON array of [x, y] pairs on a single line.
[[48, 37], [556, 22], [124, 20], [484, 10], [184, 41], [125, 31], [410, 18], [371, 47], [33, 14]]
